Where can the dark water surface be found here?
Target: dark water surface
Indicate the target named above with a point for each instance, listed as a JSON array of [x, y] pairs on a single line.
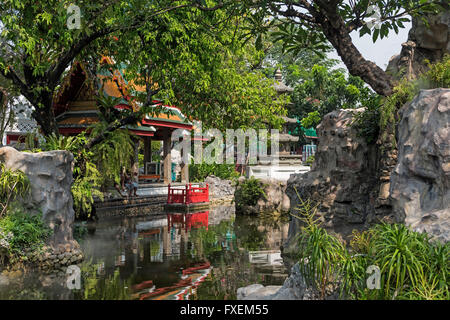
[[205, 255]]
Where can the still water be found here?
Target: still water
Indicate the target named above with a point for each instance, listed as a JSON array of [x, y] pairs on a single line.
[[205, 255]]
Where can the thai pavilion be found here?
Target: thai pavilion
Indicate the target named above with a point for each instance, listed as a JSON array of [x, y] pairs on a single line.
[[76, 109]]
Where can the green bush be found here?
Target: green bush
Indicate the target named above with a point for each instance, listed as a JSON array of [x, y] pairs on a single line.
[[248, 192], [310, 160], [199, 172], [367, 122], [412, 265], [22, 233]]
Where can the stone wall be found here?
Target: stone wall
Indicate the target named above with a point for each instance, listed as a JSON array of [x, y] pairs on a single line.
[[220, 190], [50, 175], [420, 183]]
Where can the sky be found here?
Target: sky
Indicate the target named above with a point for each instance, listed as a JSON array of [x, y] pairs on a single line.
[[382, 50]]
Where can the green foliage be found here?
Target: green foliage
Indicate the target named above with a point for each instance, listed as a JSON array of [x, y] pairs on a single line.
[[412, 265], [199, 172], [310, 160], [248, 192], [295, 39], [112, 154], [87, 179], [323, 91], [320, 252], [439, 73], [311, 120], [209, 75], [367, 122], [437, 76], [22, 232], [13, 184]]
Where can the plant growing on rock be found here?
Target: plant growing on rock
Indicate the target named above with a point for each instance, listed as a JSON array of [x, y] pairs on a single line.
[[248, 192], [412, 265], [13, 184]]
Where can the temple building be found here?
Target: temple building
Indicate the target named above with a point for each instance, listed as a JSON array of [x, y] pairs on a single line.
[[76, 109]]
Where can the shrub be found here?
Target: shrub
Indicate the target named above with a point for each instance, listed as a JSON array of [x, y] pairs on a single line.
[[248, 192], [310, 160], [199, 172], [21, 232]]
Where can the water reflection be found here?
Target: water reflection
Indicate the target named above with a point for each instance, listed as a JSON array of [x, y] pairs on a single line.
[[203, 255]]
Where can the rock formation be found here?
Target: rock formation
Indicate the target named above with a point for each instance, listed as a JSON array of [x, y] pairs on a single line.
[[342, 178], [424, 43], [420, 183], [220, 190], [50, 175]]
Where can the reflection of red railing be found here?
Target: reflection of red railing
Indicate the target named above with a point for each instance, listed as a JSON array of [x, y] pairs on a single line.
[[188, 220], [188, 194]]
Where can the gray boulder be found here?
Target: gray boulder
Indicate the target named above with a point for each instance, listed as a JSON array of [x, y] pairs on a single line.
[[425, 42], [50, 175], [420, 183]]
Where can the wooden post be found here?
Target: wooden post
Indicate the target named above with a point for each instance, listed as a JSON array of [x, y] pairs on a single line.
[[147, 152], [167, 158], [184, 168], [135, 166]]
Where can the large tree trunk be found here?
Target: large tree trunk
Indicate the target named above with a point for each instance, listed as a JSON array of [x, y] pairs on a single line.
[[43, 114], [338, 34]]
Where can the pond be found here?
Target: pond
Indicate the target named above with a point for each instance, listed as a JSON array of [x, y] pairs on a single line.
[[204, 255]]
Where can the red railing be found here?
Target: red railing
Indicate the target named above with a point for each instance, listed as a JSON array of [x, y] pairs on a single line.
[[188, 194]]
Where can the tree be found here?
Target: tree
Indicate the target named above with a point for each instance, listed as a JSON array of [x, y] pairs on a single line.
[[36, 46], [334, 20], [197, 61], [6, 113], [323, 91]]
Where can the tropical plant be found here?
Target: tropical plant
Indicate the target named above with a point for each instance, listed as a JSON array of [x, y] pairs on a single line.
[[319, 252], [411, 264], [13, 184], [112, 154]]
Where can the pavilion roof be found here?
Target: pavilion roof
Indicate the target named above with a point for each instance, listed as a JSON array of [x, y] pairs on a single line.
[[76, 106]]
